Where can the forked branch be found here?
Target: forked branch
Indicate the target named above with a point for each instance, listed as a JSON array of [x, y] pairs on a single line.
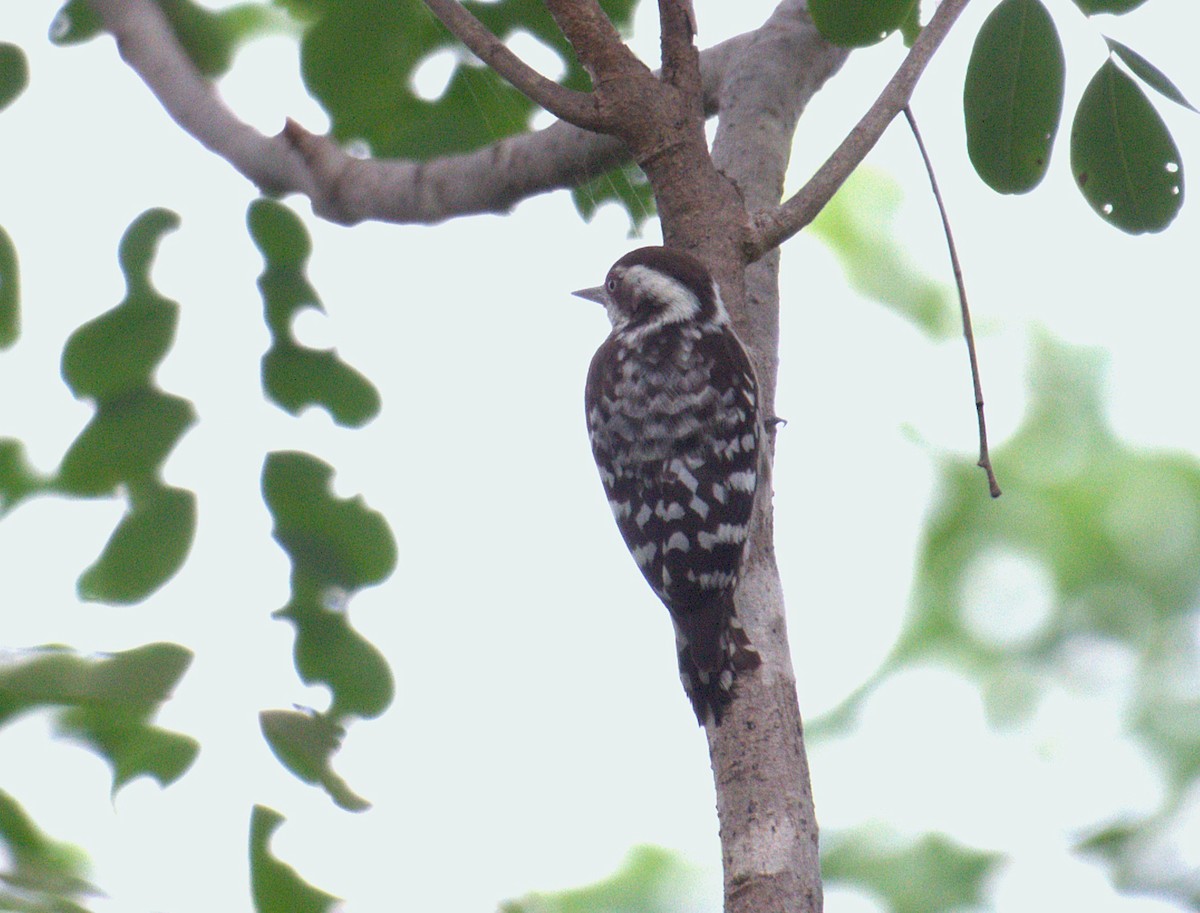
[[346, 189], [578, 108], [772, 227]]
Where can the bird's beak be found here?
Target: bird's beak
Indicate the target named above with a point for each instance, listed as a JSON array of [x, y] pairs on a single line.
[[597, 294]]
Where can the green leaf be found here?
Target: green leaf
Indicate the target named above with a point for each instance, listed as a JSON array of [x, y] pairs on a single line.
[[118, 351], [1013, 96], [276, 886], [929, 875], [10, 292], [1092, 7], [1148, 73], [115, 354], [330, 651], [857, 23], [333, 542], [147, 548], [1123, 157], [14, 73], [75, 23], [305, 742], [18, 480], [336, 546], [652, 880], [42, 875], [112, 360], [359, 56], [857, 226], [625, 185], [210, 38], [127, 440], [107, 704], [1102, 519], [910, 28], [358, 60], [296, 377]]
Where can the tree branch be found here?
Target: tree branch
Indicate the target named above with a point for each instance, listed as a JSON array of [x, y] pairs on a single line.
[[764, 795], [595, 40], [578, 108], [680, 65], [348, 190], [146, 42], [771, 228]]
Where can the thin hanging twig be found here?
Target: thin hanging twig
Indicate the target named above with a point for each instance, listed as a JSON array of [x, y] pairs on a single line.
[[985, 459]]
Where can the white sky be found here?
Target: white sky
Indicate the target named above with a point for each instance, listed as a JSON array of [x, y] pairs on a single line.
[[539, 729]]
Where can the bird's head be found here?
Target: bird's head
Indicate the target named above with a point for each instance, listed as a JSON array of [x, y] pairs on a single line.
[[652, 287]]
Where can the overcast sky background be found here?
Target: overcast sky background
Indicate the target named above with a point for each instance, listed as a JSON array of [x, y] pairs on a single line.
[[539, 729]]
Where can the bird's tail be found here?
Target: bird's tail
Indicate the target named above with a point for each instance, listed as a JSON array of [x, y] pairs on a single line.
[[713, 648]]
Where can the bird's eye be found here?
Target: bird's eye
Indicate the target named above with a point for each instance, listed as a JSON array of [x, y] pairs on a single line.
[[611, 285]]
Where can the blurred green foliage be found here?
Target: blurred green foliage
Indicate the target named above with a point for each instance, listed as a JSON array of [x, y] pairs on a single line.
[[209, 37], [358, 58], [10, 292], [1115, 531], [41, 875], [14, 73], [337, 547], [652, 880], [275, 885], [858, 23], [111, 361], [294, 376], [105, 703], [930, 875], [857, 226]]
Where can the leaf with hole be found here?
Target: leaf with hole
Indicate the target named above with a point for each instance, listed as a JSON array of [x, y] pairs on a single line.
[[359, 56], [1124, 160], [1013, 96]]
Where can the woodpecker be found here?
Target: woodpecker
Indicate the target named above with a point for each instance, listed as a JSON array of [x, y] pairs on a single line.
[[673, 418]]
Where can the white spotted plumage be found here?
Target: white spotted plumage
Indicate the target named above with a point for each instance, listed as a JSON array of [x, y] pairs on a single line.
[[672, 413]]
